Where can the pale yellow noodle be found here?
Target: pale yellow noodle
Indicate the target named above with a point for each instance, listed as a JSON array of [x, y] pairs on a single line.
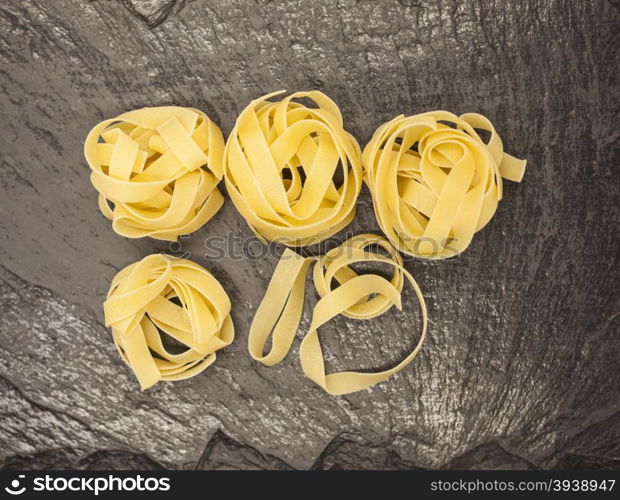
[[140, 305], [159, 167], [435, 182], [292, 171], [357, 296]]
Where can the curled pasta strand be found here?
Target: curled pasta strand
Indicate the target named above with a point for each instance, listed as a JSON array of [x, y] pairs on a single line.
[[171, 295], [159, 168], [435, 182], [357, 296], [292, 171]]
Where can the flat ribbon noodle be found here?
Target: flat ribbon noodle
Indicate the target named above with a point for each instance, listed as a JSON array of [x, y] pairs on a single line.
[[282, 164], [357, 296], [140, 305], [159, 167], [434, 185]]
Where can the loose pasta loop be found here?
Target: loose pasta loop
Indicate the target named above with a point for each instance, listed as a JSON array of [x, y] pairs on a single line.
[[357, 296], [435, 182], [159, 168], [171, 295], [292, 171]]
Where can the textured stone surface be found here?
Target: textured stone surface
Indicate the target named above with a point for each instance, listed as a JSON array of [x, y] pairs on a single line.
[[521, 366]]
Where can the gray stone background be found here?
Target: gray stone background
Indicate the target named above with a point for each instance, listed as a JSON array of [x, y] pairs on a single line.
[[520, 369]]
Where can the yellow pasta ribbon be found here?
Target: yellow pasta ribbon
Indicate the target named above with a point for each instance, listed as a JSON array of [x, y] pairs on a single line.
[[435, 182], [159, 167], [141, 304], [292, 171], [357, 296]]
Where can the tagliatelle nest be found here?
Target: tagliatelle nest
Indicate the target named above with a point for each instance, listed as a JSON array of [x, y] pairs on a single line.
[[435, 182], [174, 296], [292, 171], [159, 168]]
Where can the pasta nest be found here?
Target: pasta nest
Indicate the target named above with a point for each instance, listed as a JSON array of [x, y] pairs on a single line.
[[291, 170], [157, 170], [176, 298], [435, 182]]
